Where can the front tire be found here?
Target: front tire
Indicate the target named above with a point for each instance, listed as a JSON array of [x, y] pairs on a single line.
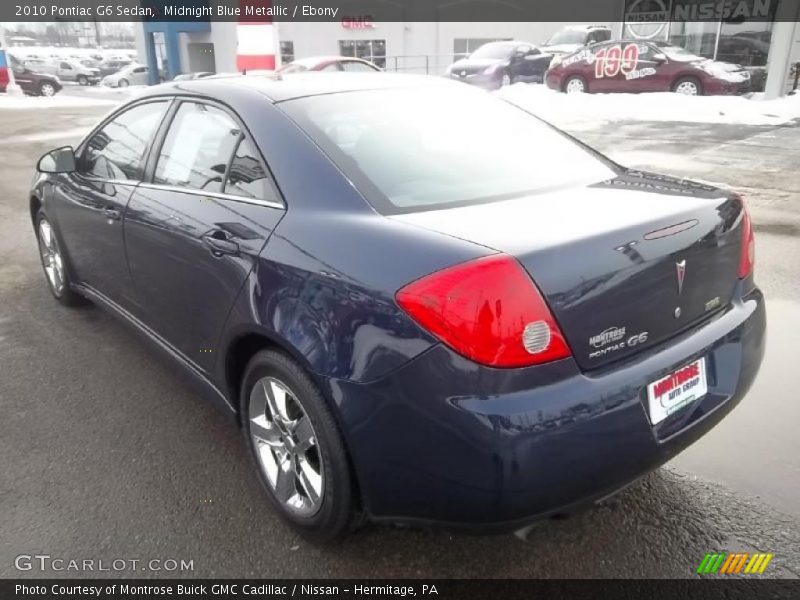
[[123, 83], [54, 263], [82, 80], [575, 85], [506, 79], [299, 453], [688, 86]]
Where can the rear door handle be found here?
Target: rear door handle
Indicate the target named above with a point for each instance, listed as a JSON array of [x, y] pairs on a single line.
[[220, 244], [112, 214]]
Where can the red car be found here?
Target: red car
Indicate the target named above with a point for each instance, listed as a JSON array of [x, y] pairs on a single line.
[[329, 63], [637, 66]]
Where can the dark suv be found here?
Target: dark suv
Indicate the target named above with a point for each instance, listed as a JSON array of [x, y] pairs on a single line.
[[31, 82]]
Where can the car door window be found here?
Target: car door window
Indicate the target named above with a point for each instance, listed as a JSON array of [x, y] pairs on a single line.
[[66, 66], [140, 69], [117, 151], [353, 66], [198, 148], [331, 67]]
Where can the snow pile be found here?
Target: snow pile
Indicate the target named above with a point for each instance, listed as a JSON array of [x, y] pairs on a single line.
[[661, 106], [58, 101]]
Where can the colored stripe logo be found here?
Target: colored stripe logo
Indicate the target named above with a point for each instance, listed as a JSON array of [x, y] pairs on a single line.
[[728, 563]]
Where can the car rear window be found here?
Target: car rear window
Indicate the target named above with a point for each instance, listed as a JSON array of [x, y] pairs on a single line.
[[409, 150]]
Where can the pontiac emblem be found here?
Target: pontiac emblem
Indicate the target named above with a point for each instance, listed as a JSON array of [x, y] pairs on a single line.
[[681, 273]]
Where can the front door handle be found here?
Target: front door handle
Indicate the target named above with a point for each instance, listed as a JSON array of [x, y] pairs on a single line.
[[220, 245], [112, 214]]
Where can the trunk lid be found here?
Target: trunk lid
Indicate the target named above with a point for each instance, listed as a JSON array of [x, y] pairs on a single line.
[[624, 264]]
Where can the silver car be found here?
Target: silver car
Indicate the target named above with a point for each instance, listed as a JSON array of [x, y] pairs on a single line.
[[130, 75]]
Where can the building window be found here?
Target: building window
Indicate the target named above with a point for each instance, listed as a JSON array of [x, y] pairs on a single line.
[[463, 47], [372, 50], [287, 52]]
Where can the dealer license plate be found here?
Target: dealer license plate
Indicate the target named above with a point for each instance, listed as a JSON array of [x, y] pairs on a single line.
[[681, 387]]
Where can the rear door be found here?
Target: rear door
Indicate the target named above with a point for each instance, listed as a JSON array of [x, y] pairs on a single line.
[[194, 231], [66, 71]]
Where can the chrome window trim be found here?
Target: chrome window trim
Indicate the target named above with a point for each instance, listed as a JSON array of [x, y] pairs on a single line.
[[195, 192]]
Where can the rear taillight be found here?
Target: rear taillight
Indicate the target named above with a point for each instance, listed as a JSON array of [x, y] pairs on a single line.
[[747, 258], [488, 310]]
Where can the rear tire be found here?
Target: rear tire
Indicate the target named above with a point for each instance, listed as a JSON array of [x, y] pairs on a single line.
[[688, 86], [296, 445], [575, 85], [54, 263], [47, 89]]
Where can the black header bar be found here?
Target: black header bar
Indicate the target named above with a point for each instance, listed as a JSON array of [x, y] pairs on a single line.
[[376, 11]]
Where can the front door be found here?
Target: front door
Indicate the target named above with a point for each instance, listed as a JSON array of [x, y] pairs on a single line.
[[193, 234], [92, 200]]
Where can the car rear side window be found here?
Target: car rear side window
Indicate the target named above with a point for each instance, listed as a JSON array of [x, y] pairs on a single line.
[[246, 175], [198, 148], [117, 151]]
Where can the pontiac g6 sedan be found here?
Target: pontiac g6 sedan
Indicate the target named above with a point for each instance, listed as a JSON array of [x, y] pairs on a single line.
[[411, 320]]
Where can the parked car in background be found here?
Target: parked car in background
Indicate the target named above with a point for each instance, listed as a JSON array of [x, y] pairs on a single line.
[[329, 63], [440, 318], [131, 75], [73, 70], [637, 66], [109, 67], [190, 76], [574, 37], [496, 64], [750, 52], [32, 82]]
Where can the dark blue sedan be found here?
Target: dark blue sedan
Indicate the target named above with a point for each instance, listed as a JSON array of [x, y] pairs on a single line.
[[420, 303]]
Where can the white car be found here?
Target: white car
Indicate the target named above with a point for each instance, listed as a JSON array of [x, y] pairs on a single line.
[[130, 75]]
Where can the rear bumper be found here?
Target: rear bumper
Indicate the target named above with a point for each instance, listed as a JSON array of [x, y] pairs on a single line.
[[444, 440]]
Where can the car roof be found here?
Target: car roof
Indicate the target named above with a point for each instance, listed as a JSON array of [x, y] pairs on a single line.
[[278, 88]]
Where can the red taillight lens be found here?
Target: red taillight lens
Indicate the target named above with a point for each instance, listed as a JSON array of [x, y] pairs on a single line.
[[747, 258], [488, 310]]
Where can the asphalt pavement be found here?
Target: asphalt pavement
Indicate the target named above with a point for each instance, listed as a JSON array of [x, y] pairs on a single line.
[[106, 453]]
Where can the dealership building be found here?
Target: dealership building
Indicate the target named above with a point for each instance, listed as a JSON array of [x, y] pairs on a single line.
[[762, 35]]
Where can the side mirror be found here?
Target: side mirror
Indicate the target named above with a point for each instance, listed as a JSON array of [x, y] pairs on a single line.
[[60, 160], [660, 58]]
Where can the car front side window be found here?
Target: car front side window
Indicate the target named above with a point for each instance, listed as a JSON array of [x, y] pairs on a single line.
[[118, 150]]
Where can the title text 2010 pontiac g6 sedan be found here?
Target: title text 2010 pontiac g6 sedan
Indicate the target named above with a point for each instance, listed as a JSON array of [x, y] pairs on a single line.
[[411, 320]]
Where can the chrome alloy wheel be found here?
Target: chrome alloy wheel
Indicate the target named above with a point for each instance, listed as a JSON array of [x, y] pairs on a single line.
[[286, 447], [51, 257], [687, 88], [575, 86]]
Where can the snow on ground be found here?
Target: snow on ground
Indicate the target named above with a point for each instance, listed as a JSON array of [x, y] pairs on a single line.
[[559, 107], [57, 101]]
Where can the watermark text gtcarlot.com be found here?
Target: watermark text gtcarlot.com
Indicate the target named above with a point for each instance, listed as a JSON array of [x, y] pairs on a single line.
[[46, 562]]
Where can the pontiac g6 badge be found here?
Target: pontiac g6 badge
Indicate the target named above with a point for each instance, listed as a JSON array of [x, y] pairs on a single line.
[[680, 268], [613, 339]]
